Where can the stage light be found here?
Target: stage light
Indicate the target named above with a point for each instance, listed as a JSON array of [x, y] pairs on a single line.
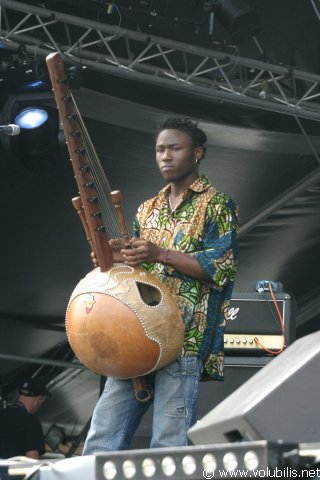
[[230, 461], [20, 72], [39, 143], [189, 465], [168, 466], [238, 18], [129, 469], [31, 117], [109, 470], [148, 467], [38, 139], [277, 459], [251, 460], [209, 463], [193, 462], [35, 85]]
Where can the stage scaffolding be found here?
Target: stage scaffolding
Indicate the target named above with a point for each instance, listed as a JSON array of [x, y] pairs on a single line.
[[120, 52]]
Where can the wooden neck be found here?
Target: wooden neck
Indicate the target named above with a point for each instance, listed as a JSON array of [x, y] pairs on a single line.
[[93, 186]]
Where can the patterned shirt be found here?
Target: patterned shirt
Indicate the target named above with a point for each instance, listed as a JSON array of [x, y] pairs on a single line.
[[204, 225]]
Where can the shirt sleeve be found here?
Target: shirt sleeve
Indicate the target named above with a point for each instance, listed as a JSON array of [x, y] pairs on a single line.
[[219, 254], [136, 227]]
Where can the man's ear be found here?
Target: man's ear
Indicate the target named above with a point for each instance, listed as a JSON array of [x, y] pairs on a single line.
[[198, 152]]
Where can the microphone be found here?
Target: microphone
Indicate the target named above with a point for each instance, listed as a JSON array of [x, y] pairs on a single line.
[[10, 129]]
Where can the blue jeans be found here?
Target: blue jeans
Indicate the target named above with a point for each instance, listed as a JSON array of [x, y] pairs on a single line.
[[117, 414]]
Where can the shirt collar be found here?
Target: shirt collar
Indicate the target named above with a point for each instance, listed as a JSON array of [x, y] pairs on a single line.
[[199, 185]]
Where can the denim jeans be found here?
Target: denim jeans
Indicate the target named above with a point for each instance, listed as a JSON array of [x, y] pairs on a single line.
[[117, 414]]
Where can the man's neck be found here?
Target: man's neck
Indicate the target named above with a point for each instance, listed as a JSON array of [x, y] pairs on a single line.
[[177, 189]]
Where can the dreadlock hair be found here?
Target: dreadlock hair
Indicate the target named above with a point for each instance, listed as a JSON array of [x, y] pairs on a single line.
[[186, 125]]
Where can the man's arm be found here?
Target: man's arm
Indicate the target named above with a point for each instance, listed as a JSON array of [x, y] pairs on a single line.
[[219, 256], [32, 454], [146, 251], [216, 261], [34, 442]]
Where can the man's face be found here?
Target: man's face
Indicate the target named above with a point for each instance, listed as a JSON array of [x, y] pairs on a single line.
[[36, 403], [176, 158]]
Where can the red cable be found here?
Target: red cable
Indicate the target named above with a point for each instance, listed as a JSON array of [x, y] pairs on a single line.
[[282, 328]]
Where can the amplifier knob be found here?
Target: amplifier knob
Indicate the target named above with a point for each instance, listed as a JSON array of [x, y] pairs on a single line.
[[244, 341], [231, 340], [237, 340], [251, 341]]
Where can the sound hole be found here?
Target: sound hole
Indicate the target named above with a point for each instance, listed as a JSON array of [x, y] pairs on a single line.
[[150, 295]]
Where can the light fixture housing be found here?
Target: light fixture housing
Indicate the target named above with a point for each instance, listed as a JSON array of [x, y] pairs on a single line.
[[239, 19], [192, 462], [31, 117], [39, 142]]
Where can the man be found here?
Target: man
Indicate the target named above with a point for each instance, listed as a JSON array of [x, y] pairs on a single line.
[[20, 431], [187, 235]]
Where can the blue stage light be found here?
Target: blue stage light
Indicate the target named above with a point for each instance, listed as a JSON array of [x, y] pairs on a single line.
[[31, 118], [36, 84]]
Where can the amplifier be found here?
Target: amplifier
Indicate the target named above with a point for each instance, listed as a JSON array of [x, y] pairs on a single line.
[[254, 315]]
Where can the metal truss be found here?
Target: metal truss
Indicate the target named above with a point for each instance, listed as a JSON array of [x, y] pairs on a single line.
[[157, 61]]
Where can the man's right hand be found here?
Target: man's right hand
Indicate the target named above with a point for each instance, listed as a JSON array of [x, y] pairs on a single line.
[[94, 259], [116, 245]]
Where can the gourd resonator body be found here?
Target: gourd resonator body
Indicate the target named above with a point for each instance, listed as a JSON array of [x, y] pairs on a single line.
[[123, 322]]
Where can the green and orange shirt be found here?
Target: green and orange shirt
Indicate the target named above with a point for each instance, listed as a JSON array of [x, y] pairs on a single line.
[[204, 225]]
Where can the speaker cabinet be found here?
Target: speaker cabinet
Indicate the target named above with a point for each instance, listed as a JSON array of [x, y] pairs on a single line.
[[213, 393], [256, 315], [279, 402]]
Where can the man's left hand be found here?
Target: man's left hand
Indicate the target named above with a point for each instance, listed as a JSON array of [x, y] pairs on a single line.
[[142, 251]]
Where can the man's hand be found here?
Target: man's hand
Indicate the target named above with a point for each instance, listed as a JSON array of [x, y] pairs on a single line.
[[116, 245], [94, 259], [142, 251]]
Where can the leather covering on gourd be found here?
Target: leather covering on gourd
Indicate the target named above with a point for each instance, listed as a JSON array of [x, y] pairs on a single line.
[[124, 322]]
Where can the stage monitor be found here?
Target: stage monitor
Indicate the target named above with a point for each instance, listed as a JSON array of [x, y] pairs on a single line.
[[279, 402]]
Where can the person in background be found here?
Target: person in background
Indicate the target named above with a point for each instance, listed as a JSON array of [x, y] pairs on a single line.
[[187, 236], [20, 430]]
